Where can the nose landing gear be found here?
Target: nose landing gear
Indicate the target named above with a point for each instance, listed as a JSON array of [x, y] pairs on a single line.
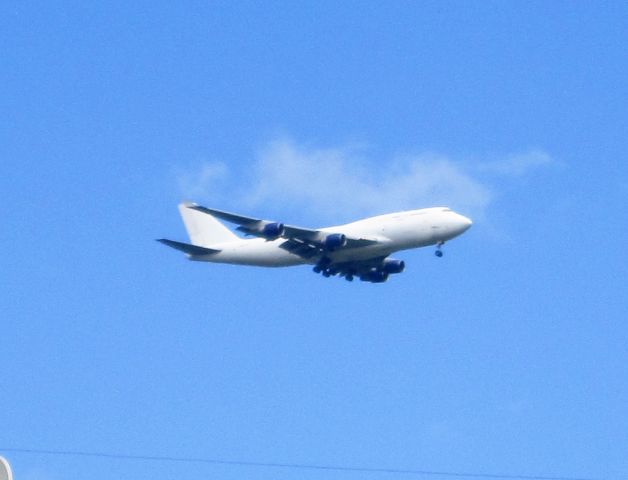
[[439, 252]]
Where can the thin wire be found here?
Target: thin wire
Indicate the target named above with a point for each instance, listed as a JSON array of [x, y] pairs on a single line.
[[300, 466]]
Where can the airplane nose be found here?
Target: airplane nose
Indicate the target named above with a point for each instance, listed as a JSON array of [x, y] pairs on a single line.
[[464, 223]]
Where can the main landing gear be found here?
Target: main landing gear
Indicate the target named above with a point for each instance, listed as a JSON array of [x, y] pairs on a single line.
[[439, 252], [325, 268], [322, 265]]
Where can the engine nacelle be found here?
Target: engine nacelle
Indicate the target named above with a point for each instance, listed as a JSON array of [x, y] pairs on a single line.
[[273, 230], [391, 265], [375, 276], [335, 240]]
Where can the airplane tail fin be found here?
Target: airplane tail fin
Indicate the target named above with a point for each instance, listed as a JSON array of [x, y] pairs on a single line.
[[203, 229], [5, 470]]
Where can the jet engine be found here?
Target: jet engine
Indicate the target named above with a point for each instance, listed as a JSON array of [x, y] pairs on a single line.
[[391, 265], [375, 276], [272, 230], [335, 240]]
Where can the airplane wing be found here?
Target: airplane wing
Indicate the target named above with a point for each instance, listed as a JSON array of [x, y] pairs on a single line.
[[305, 242], [307, 248], [229, 217]]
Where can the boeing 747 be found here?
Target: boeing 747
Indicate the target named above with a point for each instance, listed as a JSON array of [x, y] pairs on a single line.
[[359, 249]]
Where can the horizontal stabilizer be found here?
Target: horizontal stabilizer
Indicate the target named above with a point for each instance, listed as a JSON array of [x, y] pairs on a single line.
[[187, 248]]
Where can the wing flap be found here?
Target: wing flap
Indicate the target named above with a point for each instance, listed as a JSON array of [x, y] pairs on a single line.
[[300, 248], [302, 233], [360, 242]]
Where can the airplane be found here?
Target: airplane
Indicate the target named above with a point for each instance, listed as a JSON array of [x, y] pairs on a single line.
[[5, 470], [359, 249]]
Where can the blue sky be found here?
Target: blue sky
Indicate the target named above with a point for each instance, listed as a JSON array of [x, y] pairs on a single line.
[[508, 355]]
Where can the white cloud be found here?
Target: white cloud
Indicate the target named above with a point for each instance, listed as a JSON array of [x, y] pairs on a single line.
[[198, 183], [337, 184], [340, 180], [518, 164]]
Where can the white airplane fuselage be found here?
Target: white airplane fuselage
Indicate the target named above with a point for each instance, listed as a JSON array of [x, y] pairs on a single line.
[[393, 231]]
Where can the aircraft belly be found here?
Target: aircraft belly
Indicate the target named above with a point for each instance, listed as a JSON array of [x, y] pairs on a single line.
[[262, 254], [363, 253]]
